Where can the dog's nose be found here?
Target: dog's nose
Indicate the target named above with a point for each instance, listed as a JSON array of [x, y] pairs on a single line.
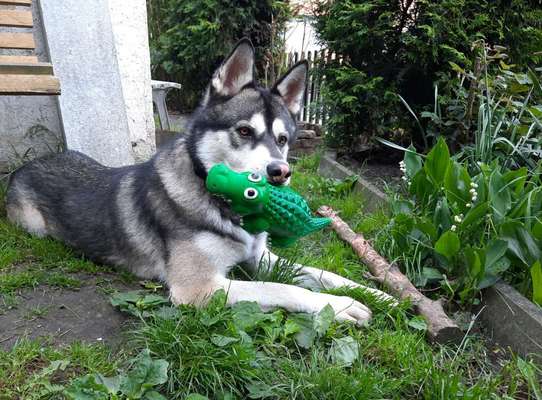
[[278, 172]]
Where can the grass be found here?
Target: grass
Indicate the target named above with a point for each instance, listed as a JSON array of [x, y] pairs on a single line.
[[241, 352]]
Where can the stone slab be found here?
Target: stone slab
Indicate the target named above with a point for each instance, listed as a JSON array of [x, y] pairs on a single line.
[[513, 321], [134, 61], [82, 48], [375, 198]]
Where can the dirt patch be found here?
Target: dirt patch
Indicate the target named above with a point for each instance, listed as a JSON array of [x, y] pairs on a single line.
[[63, 316], [383, 176]]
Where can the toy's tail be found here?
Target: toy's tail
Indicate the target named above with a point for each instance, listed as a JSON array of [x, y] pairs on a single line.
[[319, 223]]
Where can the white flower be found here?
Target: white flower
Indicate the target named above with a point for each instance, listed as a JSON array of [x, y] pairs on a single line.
[[472, 191], [453, 228], [457, 219], [474, 198], [404, 178], [468, 205], [474, 185]]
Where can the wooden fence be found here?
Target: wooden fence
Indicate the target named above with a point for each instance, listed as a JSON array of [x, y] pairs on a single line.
[[313, 111]]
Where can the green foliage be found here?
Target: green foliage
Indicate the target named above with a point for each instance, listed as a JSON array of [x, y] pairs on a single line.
[[467, 229], [190, 38], [405, 47], [138, 383]]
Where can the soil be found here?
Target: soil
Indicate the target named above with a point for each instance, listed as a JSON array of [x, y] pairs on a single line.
[[383, 175], [63, 316]]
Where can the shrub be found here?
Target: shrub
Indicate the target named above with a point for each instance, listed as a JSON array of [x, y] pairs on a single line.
[[190, 38], [404, 47]]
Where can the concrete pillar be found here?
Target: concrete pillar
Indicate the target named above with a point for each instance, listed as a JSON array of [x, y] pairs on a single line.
[[100, 53]]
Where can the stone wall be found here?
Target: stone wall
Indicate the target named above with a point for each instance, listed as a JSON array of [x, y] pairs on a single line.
[[309, 139]]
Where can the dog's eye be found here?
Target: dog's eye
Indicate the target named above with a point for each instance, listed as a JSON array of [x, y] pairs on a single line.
[[251, 193], [244, 131], [254, 177], [282, 140]]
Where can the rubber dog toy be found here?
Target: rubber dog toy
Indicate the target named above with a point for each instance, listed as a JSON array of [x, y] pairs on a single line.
[[278, 210]]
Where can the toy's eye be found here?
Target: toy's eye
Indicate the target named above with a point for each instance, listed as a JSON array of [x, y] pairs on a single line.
[[251, 193], [254, 177], [244, 131]]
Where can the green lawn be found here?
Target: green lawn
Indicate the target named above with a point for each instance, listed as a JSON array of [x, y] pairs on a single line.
[[240, 352]]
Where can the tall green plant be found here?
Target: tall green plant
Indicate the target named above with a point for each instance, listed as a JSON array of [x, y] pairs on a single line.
[[190, 38]]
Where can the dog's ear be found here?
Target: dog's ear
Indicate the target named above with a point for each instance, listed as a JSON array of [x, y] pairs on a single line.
[[291, 87], [236, 71]]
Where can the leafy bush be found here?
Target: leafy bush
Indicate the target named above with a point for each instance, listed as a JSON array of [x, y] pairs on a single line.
[[190, 38], [494, 111], [404, 47]]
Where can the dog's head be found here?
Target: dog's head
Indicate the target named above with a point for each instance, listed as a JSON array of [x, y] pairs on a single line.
[[244, 126]]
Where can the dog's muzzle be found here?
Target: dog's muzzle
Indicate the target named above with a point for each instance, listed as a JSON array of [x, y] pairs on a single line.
[[278, 172]]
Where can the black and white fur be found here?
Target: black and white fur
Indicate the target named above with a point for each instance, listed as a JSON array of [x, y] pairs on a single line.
[[157, 219]]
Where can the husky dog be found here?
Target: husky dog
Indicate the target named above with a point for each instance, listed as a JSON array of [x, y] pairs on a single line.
[[158, 220]]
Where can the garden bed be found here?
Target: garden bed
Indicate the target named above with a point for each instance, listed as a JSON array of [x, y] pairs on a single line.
[[509, 318]]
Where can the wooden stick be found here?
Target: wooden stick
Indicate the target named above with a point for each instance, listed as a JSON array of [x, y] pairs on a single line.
[[440, 328]]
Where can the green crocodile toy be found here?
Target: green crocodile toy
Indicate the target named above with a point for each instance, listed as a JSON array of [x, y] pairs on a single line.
[[278, 210]]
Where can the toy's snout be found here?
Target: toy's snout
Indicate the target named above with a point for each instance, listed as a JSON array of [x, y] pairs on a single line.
[[217, 178]]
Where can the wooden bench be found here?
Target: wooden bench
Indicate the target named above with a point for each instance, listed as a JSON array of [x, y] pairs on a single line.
[[20, 71]]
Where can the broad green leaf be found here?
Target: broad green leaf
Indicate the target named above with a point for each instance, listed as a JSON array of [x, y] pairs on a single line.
[[196, 396], [474, 263], [495, 250], [421, 187], [413, 162], [323, 320], [152, 395], [448, 244], [145, 373], [536, 276], [112, 384], [222, 341], [457, 184], [520, 242], [499, 195], [344, 351], [437, 162], [306, 334], [431, 274], [475, 215], [516, 179], [86, 388], [537, 230], [418, 323], [443, 217], [247, 315]]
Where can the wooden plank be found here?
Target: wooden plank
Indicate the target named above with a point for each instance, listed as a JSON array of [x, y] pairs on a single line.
[[18, 59], [21, 85], [26, 69], [17, 40], [16, 18], [16, 2]]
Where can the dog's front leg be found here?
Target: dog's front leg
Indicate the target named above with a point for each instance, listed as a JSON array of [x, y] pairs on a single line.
[[294, 299], [310, 277]]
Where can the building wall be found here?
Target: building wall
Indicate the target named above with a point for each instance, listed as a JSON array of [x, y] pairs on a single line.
[[29, 126]]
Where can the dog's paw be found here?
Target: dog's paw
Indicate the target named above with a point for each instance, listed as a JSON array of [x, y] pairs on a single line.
[[346, 309]]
